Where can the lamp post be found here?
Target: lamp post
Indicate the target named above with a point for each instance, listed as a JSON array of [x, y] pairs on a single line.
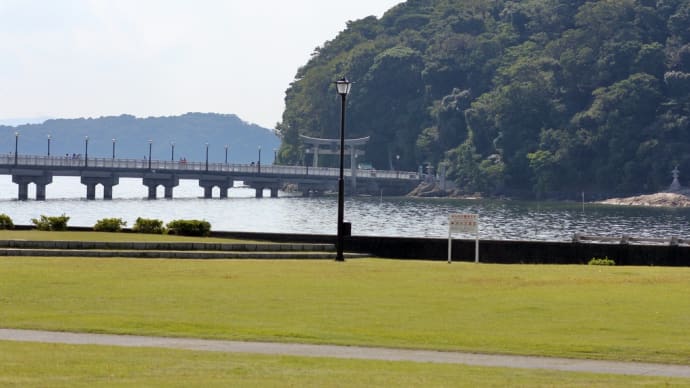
[[16, 146], [172, 151], [114, 140], [48, 144], [226, 154], [306, 159], [343, 87], [86, 151], [275, 155], [397, 166], [206, 156], [150, 146], [259, 164]]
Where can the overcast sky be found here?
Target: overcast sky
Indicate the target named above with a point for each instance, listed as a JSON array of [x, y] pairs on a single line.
[[91, 58]]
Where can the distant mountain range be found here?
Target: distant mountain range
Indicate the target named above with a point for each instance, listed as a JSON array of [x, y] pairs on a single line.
[[189, 133]]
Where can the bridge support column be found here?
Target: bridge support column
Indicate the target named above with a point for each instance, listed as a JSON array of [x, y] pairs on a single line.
[[209, 182], [274, 192], [91, 191], [91, 180], [23, 192], [40, 178], [108, 192], [259, 192], [153, 180], [169, 192]]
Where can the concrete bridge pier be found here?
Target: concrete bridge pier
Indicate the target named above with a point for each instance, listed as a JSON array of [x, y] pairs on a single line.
[[260, 190], [40, 178], [209, 182], [107, 181], [153, 180]]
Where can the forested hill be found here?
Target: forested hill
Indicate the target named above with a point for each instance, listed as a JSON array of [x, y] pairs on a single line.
[[531, 97], [189, 132]]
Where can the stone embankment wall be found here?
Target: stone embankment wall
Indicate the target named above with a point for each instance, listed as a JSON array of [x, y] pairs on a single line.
[[494, 251]]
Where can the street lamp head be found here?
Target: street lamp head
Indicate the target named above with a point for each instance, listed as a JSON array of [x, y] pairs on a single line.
[[150, 141], [48, 136], [343, 86], [114, 140], [86, 138]]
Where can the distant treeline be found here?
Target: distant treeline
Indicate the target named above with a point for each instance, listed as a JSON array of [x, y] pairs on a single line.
[[189, 133]]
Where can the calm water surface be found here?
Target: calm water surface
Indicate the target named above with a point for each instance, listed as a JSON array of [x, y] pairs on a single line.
[[369, 215]]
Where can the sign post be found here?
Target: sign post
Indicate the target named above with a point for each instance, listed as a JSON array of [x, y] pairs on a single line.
[[463, 223]]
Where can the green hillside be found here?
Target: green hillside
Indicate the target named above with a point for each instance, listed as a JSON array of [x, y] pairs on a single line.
[[533, 97], [189, 133]]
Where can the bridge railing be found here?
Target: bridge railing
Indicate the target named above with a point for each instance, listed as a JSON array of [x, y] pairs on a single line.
[[77, 161]]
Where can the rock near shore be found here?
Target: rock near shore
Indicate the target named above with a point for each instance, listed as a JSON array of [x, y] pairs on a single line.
[[680, 200]]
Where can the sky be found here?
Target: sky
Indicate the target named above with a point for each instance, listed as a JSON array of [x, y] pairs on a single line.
[[92, 58]]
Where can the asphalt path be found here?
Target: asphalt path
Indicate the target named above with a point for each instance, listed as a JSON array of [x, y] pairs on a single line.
[[351, 352]]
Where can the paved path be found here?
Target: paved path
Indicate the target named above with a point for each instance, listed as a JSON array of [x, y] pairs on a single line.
[[352, 352]]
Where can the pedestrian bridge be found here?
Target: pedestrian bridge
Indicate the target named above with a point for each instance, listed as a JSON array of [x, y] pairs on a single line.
[[40, 170]]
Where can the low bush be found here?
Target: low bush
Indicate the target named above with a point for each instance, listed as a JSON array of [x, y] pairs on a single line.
[[147, 225], [6, 222], [51, 223], [109, 225], [601, 261], [189, 227]]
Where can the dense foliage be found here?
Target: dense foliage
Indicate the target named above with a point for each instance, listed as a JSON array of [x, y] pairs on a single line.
[[518, 97], [148, 225], [53, 223], [189, 227], [109, 225]]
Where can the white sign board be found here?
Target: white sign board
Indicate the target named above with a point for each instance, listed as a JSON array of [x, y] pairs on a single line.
[[463, 223]]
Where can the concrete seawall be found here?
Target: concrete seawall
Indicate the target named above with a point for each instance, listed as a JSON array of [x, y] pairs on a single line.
[[490, 251], [493, 251]]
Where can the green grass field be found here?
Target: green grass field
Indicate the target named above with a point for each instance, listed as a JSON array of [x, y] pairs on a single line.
[[618, 313], [50, 365]]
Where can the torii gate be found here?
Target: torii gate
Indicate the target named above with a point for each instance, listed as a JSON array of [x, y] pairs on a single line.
[[332, 147]]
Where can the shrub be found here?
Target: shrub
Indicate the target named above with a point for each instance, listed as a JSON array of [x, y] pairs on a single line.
[[146, 225], [51, 223], [6, 222], [189, 227], [109, 225], [600, 261]]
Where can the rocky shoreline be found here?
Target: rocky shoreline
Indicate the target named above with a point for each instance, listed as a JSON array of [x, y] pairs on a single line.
[[676, 199]]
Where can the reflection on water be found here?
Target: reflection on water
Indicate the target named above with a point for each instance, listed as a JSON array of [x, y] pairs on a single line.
[[411, 217]]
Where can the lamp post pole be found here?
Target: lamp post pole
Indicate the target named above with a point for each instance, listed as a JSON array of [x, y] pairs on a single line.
[[206, 156], [48, 144], [172, 151], [150, 146], [114, 140], [306, 159], [16, 146], [86, 151], [226, 154], [259, 164], [397, 166], [343, 88]]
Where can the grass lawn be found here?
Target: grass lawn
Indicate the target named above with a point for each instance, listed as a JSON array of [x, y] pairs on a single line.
[[104, 236], [42, 365], [619, 313]]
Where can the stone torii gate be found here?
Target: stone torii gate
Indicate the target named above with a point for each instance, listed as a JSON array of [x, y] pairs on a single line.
[[332, 147]]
